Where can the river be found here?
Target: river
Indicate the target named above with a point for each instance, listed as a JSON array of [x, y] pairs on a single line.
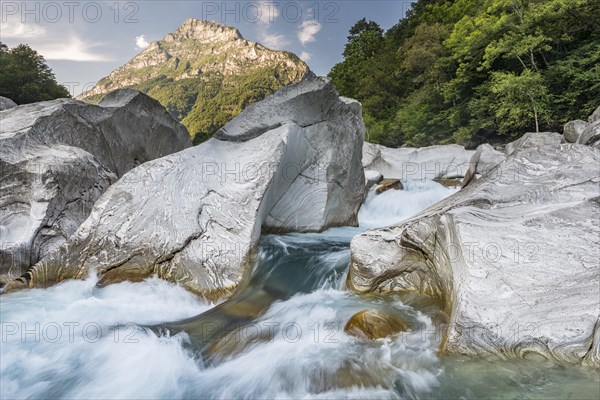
[[280, 336]]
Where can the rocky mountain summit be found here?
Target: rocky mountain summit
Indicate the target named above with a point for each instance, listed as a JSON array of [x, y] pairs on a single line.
[[205, 74]]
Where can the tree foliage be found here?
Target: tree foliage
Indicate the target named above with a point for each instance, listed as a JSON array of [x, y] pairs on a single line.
[[25, 77], [473, 71]]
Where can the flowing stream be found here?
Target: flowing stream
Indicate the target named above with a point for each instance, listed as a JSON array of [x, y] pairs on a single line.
[[281, 336]]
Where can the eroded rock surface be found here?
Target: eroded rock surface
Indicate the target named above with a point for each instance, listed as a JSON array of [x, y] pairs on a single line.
[[513, 256], [195, 216], [434, 162], [533, 139], [58, 157]]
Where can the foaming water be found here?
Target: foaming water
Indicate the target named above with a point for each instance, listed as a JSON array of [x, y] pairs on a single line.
[[75, 340], [394, 206], [279, 337]]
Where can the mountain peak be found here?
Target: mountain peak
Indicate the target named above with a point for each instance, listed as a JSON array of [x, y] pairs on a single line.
[[207, 31], [205, 74]]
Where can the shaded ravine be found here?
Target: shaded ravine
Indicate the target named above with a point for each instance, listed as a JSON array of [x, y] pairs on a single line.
[[281, 336]]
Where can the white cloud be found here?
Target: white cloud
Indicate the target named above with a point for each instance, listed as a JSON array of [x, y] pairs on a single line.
[[18, 30], [42, 38], [308, 30], [70, 49], [141, 43], [273, 40], [305, 56], [269, 12]]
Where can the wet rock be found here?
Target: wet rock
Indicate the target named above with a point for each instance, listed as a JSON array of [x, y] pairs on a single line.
[[374, 324], [372, 178], [390, 184]]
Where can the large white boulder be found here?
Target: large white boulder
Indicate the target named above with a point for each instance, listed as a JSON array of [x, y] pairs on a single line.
[[195, 217], [407, 163], [125, 130], [513, 257], [58, 157]]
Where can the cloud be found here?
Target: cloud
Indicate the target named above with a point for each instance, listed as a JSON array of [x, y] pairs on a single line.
[[305, 56], [70, 49], [43, 39], [308, 30], [273, 40], [141, 43], [268, 13], [15, 29]]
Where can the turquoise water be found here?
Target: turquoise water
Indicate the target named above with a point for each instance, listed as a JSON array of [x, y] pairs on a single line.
[[279, 337]]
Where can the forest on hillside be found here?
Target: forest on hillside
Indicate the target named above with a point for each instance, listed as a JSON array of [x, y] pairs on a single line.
[[474, 71]]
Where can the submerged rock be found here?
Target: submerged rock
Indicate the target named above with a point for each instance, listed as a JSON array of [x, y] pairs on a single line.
[[435, 162], [58, 157], [513, 256], [194, 217], [6, 103], [374, 324]]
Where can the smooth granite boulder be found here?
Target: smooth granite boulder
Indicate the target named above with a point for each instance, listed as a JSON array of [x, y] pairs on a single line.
[[533, 139], [58, 157], [513, 257], [194, 217], [406, 163]]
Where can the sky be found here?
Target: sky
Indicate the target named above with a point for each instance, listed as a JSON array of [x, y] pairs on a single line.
[[83, 41]]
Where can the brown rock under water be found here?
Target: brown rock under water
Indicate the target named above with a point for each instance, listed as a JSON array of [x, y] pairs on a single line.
[[374, 324]]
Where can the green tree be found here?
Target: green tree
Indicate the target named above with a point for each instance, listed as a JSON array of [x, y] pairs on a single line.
[[474, 71], [25, 77], [364, 43], [520, 99]]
